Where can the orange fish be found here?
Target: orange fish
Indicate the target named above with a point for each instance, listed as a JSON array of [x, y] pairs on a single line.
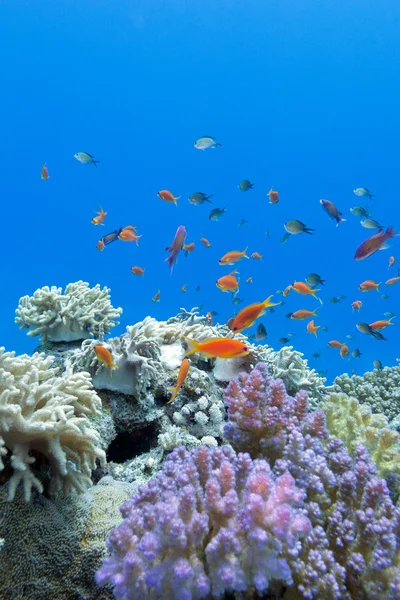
[[183, 371], [44, 173], [128, 235], [228, 283], [156, 298], [286, 291], [188, 248], [183, 289], [100, 245], [356, 305], [217, 347], [273, 196], [210, 318], [105, 356], [302, 288], [344, 350], [205, 242], [377, 325], [248, 315], [392, 260], [249, 280], [256, 256], [368, 286], [137, 271], [99, 220], [311, 328], [229, 322], [300, 315], [392, 281], [167, 196], [335, 344], [233, 256]]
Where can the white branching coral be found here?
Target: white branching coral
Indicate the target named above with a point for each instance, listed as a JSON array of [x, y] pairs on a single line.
[[78, 313], [41, 412]]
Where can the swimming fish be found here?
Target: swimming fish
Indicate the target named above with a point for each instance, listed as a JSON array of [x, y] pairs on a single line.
[[378, 365], [286, 291], [197, 290], [332, 211], [389, 314], [99, 220], [359, 211], [374, 243], [371, 224], [199, 198], [176, 246], [188, 248], [256, 256], [233, 256], [350, 337], [284, 340], [378, 325], [242, 222], [365, 328], [363, 192], [183, 371], [392, 260], [183, 289], [127, 234], [302, 288], [356, 353], [344, 350], [228, 283], [316, 354], [312, 328], [108, 238], [356, 305], [248, 315], [273, 196], [216, 214], [44, 173], [336, 299], [294, 227], [206, 142], [245, 185], [209, 316], [217, 347], [237, 300], [300, 315], [156, 298], [249, 280], [167, 196], [261, 333], [315, 279], [137, 271], [86, 158], [369, 285], [105, 356], [385, 297], [335, 344], [205, 242], [393, 280]]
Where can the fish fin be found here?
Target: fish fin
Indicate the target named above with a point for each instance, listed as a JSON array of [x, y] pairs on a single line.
[[244, 253], [192, 346], [308, 230], [267, 302], [174, 393], [95, 162]]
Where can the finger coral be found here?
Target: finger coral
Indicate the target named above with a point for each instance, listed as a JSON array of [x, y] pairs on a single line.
[[210, 522], [42, 413]]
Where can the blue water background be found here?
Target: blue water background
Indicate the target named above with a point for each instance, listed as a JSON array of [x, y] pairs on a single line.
[[303, 95]]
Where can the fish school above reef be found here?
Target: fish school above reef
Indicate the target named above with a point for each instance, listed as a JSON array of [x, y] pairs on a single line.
[[179, 461]]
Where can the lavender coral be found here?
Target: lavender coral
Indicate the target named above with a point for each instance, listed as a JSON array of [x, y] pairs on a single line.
[[211, 522]]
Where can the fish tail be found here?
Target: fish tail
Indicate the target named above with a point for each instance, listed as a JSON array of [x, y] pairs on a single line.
[[176, 200], [192, 346], [137, 240], [316, 297], [340, 220], [244, 253], [267, 302], [390, 232], [95, 162], [174, 392], [308, 230], [315, 310]]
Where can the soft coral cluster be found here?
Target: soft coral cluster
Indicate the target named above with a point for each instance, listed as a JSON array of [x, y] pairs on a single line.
[[212, 521]]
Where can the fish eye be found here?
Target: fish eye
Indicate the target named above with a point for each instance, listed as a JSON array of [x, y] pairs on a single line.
[[235, 329], [245, 348]]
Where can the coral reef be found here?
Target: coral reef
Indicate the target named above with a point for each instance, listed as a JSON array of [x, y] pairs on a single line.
[[46, 415], [380, 389], [212, 521], [81, 312]]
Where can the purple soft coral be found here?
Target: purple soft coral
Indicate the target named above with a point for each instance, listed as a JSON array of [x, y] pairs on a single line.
[[212, 521]]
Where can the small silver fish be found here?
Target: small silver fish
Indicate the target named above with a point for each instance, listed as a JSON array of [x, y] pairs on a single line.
[[86, 158], [294, 227], [371, 224], [245, 185], [350, 337], [206, 142], [363, 192], [359, 211], [385, 297], [378, 365], [199, 198], [389, 314]]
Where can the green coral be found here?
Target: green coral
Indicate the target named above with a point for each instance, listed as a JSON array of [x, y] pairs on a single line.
[[355, 424]]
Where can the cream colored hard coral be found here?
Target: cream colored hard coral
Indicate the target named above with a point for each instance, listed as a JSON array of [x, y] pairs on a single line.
[[45, 413], [78, 313]]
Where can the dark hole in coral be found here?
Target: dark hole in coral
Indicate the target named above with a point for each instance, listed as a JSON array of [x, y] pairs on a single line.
[[129, 444]]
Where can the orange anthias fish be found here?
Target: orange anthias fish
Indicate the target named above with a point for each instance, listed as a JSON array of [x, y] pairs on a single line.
[[105, 356], [100, 245], [356, 305], [393, 280], [127, 234], [273, 196], [230, 258], [167, 196], [183, 371], [392, 260], [205, 242], [99, 220], [368, 286], [374, 243], [188, 248], [156, 298], [302, 288], [137, 271], [300, 315], [344, 350], [377, 325], [228, 283], [217, 348], [335, 344], [312, 328], [248, 315], [44, 173], [257, 256], [286, 291]]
